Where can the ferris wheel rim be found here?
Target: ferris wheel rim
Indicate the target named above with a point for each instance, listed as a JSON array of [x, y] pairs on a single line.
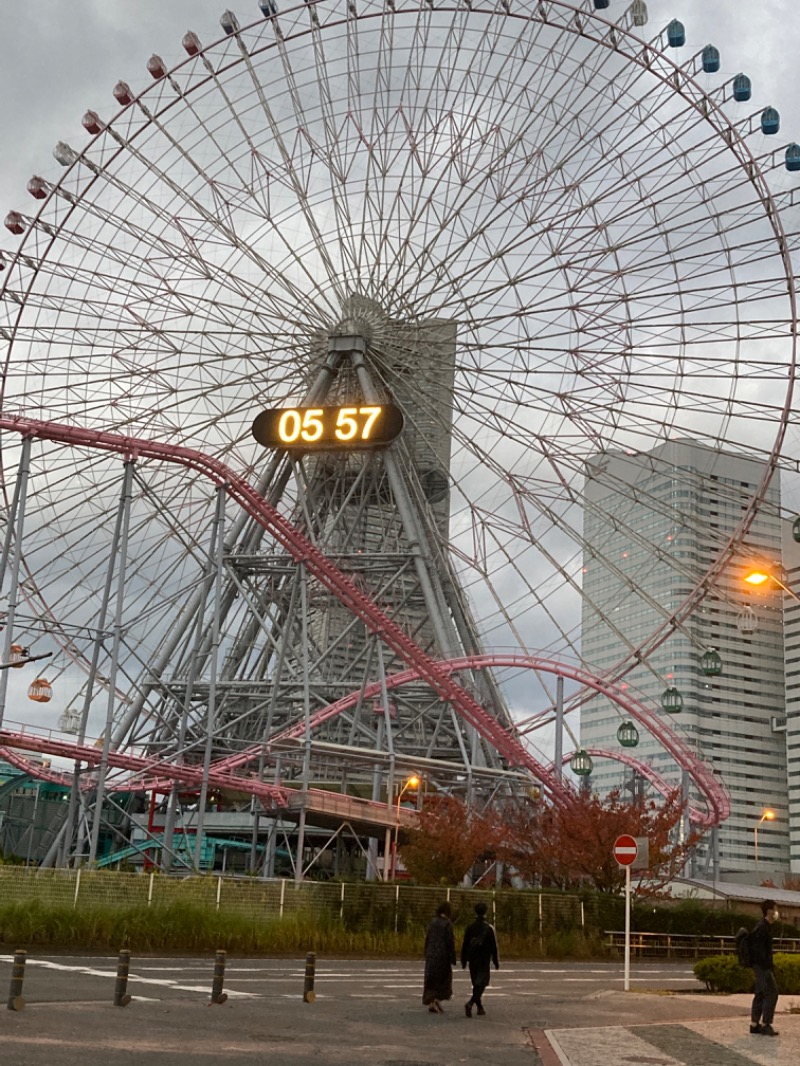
[[774, 218]]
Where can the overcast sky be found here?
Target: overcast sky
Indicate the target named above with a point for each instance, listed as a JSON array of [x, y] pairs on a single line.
[[59, 58]]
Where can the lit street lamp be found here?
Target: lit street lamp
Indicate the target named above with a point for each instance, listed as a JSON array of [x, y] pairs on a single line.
[[767, 816], [412, 782], [759, 575]]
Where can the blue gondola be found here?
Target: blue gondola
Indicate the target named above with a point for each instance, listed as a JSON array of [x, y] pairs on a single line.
[[793, 163], [710, 59], [601, 5], [268, 8], [676, 34], [742, 87], [229, 23], [770, 121]]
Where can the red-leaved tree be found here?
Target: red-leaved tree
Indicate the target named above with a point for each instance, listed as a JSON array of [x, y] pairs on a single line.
[[449, 839], [572, 845]]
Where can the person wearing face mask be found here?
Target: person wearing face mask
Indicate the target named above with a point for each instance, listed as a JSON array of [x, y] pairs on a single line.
[[765, 998]]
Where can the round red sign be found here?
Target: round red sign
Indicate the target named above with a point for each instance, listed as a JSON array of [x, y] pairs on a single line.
[[625, 850]]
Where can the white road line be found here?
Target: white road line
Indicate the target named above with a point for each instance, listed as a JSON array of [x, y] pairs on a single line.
[[90, 971]]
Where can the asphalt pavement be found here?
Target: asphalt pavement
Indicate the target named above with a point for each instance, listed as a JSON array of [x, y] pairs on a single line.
[[370, 1011]]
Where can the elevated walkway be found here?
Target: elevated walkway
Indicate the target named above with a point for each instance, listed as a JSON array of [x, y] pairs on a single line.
[[331, 809]]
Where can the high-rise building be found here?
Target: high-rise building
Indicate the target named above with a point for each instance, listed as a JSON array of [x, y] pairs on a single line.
[[653, 525], [791, 619]]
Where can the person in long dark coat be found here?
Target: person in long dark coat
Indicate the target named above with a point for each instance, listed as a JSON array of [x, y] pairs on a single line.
[[440, 958], [479, 950]]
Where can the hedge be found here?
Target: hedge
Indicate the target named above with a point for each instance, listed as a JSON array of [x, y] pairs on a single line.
[[723, 973], [695, 918]]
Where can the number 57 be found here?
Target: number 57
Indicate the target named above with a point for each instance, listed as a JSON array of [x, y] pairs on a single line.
[[347, 425]]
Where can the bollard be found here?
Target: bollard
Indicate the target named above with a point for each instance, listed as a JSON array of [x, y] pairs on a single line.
[[217, 995], [121, 997], [15, 1000], [308, 984]]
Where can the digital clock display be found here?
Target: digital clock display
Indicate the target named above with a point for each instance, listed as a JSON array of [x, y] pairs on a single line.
[[329, 428]]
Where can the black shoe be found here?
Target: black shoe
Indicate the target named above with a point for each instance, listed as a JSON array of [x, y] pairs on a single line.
[[468, 1009], [756, 1029], [481, 1011], [767, 1030]]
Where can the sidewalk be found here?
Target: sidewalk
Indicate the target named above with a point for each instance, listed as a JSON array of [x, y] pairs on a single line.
[[707, 1031]]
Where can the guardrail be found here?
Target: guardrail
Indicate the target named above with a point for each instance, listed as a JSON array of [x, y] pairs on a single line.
[[680, 946]]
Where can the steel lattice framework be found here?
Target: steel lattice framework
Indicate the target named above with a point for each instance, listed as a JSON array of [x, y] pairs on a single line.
[[535, 231]]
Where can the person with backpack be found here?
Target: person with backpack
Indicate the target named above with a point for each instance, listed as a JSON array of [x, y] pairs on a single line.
[[479, 950], [765, 997]]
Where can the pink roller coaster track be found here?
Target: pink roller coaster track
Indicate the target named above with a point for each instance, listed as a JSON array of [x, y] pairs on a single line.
[[708, 784], [421, 667], [189, 776]]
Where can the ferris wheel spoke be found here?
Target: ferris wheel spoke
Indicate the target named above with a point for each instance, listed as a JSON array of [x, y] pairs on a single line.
[[203, 226], [535, 115]]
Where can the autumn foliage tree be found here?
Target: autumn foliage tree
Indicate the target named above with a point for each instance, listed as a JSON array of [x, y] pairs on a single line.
[[571, 845], [449, 839]]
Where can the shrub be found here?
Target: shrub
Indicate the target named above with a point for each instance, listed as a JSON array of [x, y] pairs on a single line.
[[787, 974], [722, 973]]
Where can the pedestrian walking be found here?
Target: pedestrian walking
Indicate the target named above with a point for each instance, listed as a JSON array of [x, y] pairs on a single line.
[[479, 951], [440, 958], [765, 998]]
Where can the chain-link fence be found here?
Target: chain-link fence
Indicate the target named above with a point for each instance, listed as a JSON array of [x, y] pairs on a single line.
[[362, 906]]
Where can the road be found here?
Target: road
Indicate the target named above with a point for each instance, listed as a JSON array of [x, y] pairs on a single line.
[[366, 1011]]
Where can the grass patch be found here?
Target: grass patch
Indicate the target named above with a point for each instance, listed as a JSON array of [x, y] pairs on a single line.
[[181, 926], [188, 927]]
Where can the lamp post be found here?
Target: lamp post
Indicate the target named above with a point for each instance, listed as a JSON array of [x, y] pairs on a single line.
[[767, 816], [412, 782]]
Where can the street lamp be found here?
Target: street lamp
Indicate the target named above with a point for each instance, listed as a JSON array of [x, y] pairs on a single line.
[[412, 782], [767, 816], [759, 575]]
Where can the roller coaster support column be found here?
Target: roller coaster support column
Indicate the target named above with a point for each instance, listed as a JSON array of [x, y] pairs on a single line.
[[125, 516], [75, 797], [559, 748], [211, 718], [17, 515], [306, 779]]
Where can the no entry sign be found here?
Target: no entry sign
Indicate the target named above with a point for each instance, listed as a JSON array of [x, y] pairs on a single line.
[[625, 850]]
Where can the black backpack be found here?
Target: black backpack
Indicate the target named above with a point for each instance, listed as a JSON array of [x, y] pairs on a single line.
[[479, 938], [744, 952]]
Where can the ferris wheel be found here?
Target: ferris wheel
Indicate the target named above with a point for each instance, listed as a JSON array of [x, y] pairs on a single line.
[[552, 235]]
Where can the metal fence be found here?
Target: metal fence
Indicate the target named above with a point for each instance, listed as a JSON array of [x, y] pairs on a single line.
[[370, 906], [678, 946]]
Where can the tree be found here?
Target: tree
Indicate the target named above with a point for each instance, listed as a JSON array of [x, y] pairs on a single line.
[[572, 844], [449, 839]]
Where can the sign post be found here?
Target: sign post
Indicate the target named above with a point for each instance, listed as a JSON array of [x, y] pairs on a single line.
[[625, 851]]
